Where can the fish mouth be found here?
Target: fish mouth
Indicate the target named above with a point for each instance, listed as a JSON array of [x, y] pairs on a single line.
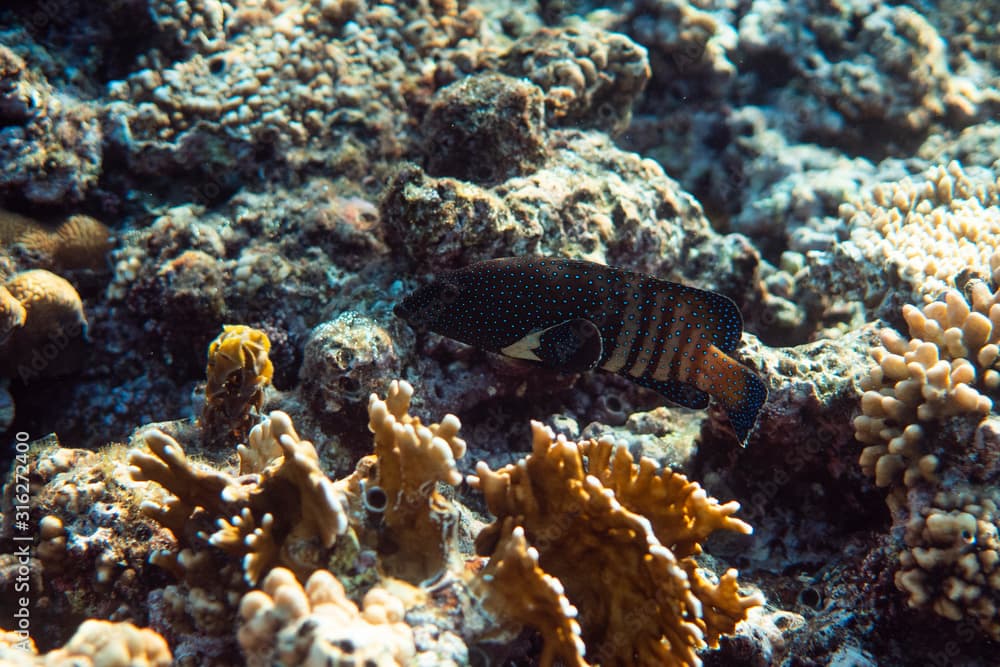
[[416, 317]]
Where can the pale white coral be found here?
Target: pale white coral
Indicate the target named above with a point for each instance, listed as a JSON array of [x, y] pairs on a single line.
[[96, 643], [930, 230], [285, 624]]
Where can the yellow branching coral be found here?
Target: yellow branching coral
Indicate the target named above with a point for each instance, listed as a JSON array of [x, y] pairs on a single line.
[[289, 512], [238, 371], [410, 459], [514, 586], [639, 601], [952, 560], [948, 367], [286, 625]]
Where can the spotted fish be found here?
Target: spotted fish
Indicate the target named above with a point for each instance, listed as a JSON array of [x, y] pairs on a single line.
[[576, 316]]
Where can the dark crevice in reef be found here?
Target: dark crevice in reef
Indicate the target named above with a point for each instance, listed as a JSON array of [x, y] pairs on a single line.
[[101, 39], [772, 70], [873, 140]]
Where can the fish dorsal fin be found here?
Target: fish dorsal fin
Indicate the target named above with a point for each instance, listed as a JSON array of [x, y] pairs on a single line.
[[574, 346]]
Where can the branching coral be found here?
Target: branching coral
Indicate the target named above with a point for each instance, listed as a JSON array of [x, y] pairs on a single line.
[[639, 591], [410, 459], [238, 371], [947, 368], [952, 560], [514, 586], [290, 512], [926, 422], [286, 625], [98, 643], [928, 231]]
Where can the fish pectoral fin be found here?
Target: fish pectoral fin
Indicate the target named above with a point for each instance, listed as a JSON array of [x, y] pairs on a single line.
[[679, 392], [574, 346]]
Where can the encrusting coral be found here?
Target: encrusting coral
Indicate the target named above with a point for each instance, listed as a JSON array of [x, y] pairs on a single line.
[[620, 538], [459, 131], [288, 625], [948, 367], [238, 371], [409, 460], [590, 77]]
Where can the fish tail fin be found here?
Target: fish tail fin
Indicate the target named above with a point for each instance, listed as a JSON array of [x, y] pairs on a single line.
[[743, 412], [739, 389]]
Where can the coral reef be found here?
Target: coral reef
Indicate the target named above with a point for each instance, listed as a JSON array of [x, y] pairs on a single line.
[[950, 563], [927, 419], [298, 166], [78, 242], [51, 146], [591, 78], [290, 513], [590, 201], [943, 226], [484, 114], [515, 586], [44, 326], [344, 361]]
